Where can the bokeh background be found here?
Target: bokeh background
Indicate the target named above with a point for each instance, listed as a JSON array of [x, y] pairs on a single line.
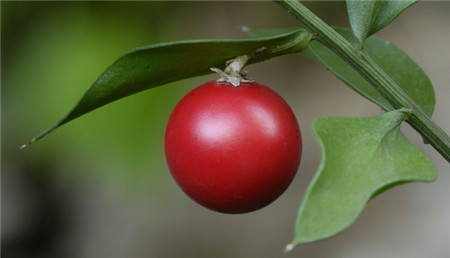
[[99, 187]]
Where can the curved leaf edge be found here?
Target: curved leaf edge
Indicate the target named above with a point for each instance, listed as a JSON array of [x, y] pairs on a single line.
[[374, 30], [364, 94], [373, 18]]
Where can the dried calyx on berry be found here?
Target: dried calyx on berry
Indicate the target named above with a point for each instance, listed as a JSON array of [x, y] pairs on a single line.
[[234, 72]]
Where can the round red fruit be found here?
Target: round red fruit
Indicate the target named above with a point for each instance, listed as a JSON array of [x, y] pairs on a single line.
[[233, 149]]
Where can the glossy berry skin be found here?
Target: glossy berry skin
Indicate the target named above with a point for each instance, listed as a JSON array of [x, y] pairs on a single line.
[[233, 149]]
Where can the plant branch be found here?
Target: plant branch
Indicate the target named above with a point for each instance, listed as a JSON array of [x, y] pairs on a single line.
[[365, 66]]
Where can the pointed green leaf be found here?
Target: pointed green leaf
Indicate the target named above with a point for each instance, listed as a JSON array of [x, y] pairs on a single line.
[[151, 66], [361, 157], [369, 16], [396, 63]]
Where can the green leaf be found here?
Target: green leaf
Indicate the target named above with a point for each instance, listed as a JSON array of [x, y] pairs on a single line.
[[154, 65], [396, 63], [369, 16], [361, 157]]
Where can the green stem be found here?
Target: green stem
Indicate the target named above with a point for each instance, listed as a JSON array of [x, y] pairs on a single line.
[[364, 65]]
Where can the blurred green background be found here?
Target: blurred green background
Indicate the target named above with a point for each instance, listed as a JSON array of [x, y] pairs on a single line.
[[99, 186]]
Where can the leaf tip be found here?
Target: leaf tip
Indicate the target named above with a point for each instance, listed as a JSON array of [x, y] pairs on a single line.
[[245, 29], [289, 247], [27, 144]]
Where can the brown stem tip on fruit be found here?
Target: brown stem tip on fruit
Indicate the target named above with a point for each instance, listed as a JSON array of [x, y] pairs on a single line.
[[234, 72]]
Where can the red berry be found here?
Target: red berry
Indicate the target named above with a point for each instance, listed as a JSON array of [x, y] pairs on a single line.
[[233, 149]]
